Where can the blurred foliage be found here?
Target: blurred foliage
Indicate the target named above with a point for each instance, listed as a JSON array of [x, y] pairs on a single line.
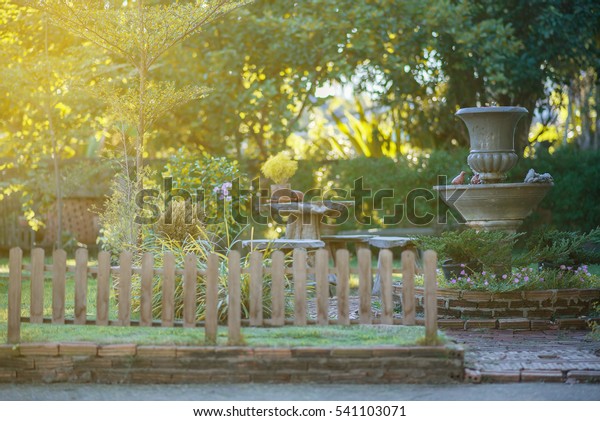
[[277, 70], [572, 204]]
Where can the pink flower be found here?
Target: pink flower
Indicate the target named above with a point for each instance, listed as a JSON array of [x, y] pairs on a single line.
[[563, 267]]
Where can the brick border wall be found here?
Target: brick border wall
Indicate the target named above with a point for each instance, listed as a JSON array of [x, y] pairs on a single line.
[[541, 305], [130, 363]]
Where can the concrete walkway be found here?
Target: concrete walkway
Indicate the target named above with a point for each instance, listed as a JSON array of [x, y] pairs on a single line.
[[303, 392], [529, 356]]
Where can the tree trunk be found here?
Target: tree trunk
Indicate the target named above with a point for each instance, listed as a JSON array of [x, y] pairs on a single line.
[[585, 140], [571, 100], [596, 144]]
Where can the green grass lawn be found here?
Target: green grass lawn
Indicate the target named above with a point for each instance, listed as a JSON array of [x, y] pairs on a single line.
[[288, 336]]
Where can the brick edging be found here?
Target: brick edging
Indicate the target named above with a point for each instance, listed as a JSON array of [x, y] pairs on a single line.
[[516, 324], [539, 309], [130, 363]]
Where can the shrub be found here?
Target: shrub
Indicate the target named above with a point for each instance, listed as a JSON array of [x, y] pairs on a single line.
[[488, 248], [215, 178], [553, 247]]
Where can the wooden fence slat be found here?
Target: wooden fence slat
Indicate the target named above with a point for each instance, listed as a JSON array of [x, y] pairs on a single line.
[[234, 309], [81, 263], [342, 261], [322, 278], [103, 294], [385, 276], [212, 298], [59, 268], [278, 288], [37, 285], [168, 290], [408, 288], [190, 281], [146, 289], [299, 273], [256, 288], [365, 279], [430, 302], [125, 289], [15, 262]]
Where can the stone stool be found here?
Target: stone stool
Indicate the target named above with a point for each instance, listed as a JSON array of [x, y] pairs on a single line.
[[404, 243]]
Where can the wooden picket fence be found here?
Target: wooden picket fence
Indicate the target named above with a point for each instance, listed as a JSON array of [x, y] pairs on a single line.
[[301, 273]]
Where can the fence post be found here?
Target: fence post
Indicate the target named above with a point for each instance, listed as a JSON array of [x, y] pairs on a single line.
[[430, 304], [15, 262], [256, 288], [37, 286], [385, 279], [278, 288], [146, 289], [211, 300], [408, 288], [59, 280], [365, 279], [342, 259], [125, 289], [322, 278], [103, 294], [190, 281], [81, 263], [299, 268], [168, 290], [234, 310]]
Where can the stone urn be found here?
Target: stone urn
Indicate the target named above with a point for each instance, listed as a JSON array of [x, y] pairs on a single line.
[[491, 134]]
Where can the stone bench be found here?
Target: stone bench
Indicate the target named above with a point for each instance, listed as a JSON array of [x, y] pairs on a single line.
[[283, 244], [403, 243], [333, 243]]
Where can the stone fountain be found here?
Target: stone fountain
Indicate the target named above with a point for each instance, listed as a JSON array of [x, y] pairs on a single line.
[[492, 204]]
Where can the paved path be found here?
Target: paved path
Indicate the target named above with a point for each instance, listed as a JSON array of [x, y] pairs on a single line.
[[304, 392], [512, 356]]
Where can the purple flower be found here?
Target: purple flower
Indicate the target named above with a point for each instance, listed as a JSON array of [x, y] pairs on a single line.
[[462, 272], [526, 278], [504, 276], [484, 273], [485, 283], [563, 267], [541, 279], [570, 267], [516, 280], [453, 281], [462, 265]]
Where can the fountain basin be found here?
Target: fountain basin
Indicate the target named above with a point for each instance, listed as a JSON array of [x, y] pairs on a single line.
[[500, 206]]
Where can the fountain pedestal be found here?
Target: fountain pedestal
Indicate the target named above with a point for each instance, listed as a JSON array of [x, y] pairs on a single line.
[[493, 205], [490, 207]]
